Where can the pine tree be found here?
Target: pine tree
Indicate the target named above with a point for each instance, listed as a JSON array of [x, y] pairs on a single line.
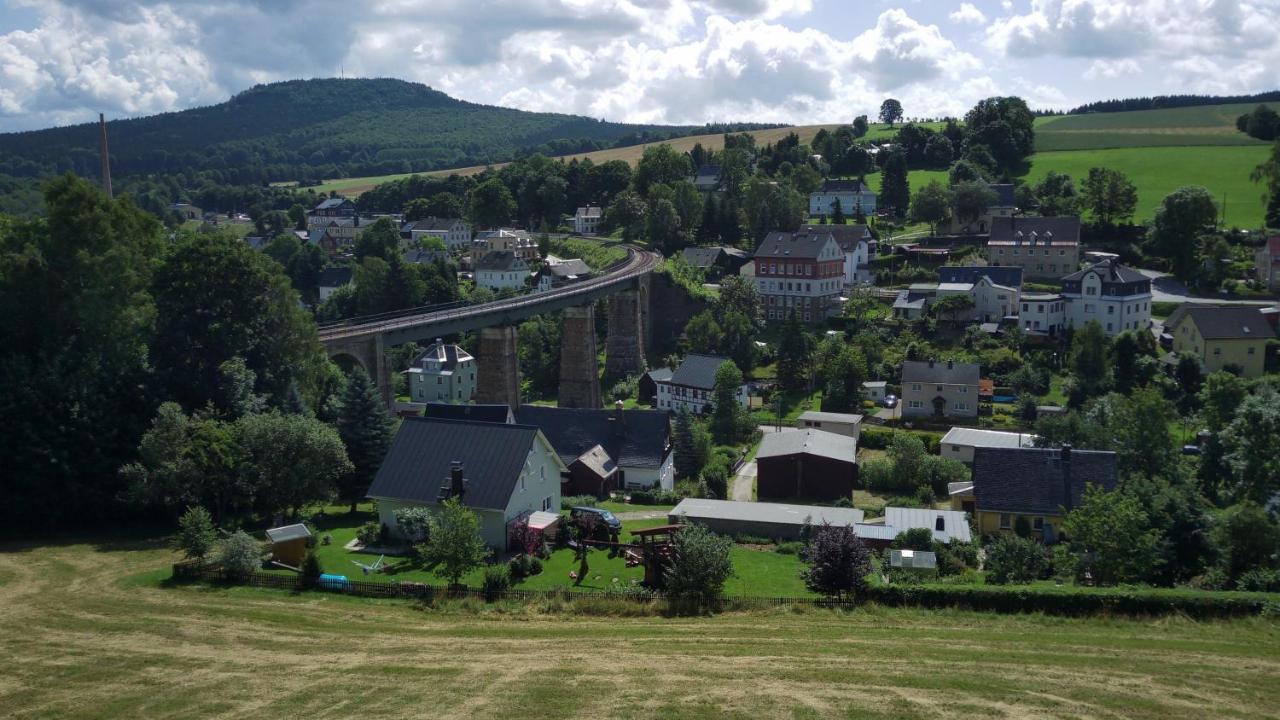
[[365, 429], [794, 352], [837, 213], [686, 451]]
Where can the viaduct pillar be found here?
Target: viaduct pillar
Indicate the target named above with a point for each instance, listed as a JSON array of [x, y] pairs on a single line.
[[624, 346], [498, 368], [369, 353], [579, 368]]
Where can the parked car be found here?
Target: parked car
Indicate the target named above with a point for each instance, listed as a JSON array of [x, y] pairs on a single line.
[[606, 519], [890, 401], [1190, 450]]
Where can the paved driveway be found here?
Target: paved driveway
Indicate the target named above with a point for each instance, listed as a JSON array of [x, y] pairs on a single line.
[[1166, 288], [744, 482]]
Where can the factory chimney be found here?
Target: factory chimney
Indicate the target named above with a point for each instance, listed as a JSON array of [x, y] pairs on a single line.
[[106, 157]]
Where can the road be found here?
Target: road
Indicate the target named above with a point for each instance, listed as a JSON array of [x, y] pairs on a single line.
[[743, 485], [1166, 288]]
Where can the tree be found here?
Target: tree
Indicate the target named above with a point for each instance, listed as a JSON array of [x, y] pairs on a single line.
[[1124, 361], [837, 213], [726, 415], [932, 205], [294, 460], [455, 547], [964, 171], [837, 562], [311, 568], [1246, 538], [627, 212], [1183, 216], [794, 352], [951, 307], [842, 376], [492, 204], [1187, 373], [216, 299], [704, 333], [738, 340], [365, 429], [1252, 452], [381, 239], [1140, 430], [1109, 196], [240, 555], [970, 200], [741, 296], [771, 206], [690, 450], [663, 228], [700, 566], [1089, 358], [195, 536], [890, 112], [1111, 537], [907, 453], [1056, 194], [859, 126], [660, 164], [895, 189], [1003, 125], [1013, 559], [1268, 173]]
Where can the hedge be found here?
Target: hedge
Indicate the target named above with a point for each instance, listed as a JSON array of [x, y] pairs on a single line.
[[879, 438], [1075, 603]]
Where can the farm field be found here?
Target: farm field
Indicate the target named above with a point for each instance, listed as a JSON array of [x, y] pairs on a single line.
[[90, 630], [1158, 171], [1204, 125]]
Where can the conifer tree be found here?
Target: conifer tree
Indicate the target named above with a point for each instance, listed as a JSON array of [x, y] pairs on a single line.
[[365, 429]]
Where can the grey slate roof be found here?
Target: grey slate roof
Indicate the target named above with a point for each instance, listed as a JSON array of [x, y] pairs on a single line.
[[569, 267], [597, 460], [417, 257], [285, 533], [500, 261], [478, 413], [698, 371], [641, 442], [492, 457], [445, 353], [848, 236], [941, 372], [1004, 194], [432, 223], [334, 277], [702, 257], [802, 245], [1111, 271], [1031, 480], [660, 374], [1063, 230], [830, 186], [1223, 322], [808, 442], [1007, 276], [331, 203]]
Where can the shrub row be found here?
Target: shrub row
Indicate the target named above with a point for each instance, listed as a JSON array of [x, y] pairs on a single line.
[[654, 497], [1078, 603], [878, 438]]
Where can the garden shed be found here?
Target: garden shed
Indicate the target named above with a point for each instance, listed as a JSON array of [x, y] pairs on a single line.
[[289, 544]]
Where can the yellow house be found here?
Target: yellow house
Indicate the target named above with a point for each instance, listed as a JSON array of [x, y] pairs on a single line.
[[1039, 484], [1221, 336]]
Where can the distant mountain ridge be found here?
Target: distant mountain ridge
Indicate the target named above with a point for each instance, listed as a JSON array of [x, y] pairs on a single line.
[[314, 129]]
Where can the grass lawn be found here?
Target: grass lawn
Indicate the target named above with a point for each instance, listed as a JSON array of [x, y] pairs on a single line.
[[1203, 125], [622, 507], [89, 630]]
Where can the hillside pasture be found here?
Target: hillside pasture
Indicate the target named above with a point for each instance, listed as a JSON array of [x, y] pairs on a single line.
[[92, 630], [1158, 171], [1189, 126]]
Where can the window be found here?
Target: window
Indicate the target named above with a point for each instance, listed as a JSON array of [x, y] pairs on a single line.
[[940, 525], [1038, 523], [1217, 351], [1091, 291], [1090, 308], [964, 389], [1250, 351], [522, 482], [915, 404], [1108, 327], [546, 503], [1005, 521], [915, 386], [1111, 309]]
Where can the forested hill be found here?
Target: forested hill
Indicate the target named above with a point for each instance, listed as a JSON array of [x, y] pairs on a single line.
[[314, 129], [1161, 102]]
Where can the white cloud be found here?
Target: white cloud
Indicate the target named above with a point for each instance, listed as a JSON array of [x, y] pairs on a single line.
[[1111, 69], [899, 51], [968, 13]]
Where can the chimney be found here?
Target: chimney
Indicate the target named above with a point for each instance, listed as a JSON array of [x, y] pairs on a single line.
[[951, 364], [106, 156], [456, 486], [930, 362], [618, 418], [1066, 477]]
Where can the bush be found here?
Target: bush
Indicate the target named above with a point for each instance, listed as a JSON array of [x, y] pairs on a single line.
[[838, 562], [572, 501], [789, 547], [654, 497], [496, 580], [1074, 604], [240, 555], [413, 523], [195, 537], [913, 539], [535, 566], [699, 569], [1011, 559], [1022, 527], [369, 533], [1259, 581], [519, 567], [311, 569]]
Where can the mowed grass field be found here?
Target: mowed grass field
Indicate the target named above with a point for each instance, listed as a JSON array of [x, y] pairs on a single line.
[[91, 631], [1205, 125]]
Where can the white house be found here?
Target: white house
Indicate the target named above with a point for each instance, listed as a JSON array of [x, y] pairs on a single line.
[[455, 233], [874, 390], [692, 385], [851, 195], [1042, 314], [500, 472], [586, 221], [1118, 297], [959, 442], [442, 373], [856, 242], [501, 270]]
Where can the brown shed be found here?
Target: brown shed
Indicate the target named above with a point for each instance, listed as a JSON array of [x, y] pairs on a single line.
[[592, 473], [809, 464], [289, 544]]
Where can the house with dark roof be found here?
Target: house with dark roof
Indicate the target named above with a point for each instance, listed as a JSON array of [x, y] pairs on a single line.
[[501, 270], [498, 413], [647, 390], [593, 473], [1039, 484], [586, 220], [637, 441], [1044, 247], [706, 178], [993, 290], [692, 385], [858, 245], [1220, 337], [501, 472], [940, 389], [334, 207], [800, 273], [1004, 206], [806, 463], [332, 278], [560, 273], [851, 196], [443, 372], [455, 233], [1118, 297]]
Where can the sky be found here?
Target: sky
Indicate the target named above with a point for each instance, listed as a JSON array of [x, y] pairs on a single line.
[[653, 61]]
